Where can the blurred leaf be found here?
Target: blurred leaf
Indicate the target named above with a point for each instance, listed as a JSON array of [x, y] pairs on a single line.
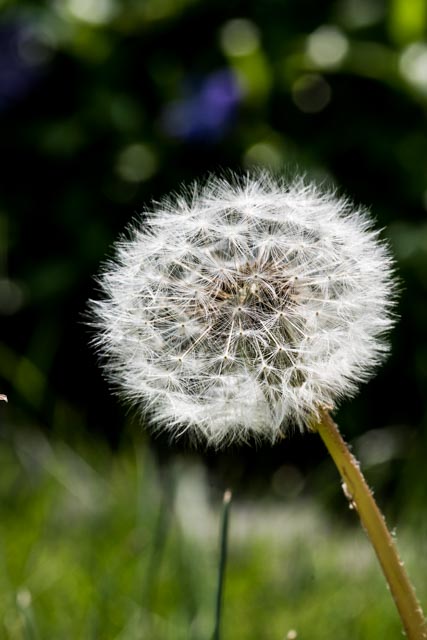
[[407, 20]]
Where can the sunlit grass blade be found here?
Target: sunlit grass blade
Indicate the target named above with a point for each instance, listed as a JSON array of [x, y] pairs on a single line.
[[362, 499]]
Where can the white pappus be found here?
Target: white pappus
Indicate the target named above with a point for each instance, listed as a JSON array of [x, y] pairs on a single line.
[[238, 308]]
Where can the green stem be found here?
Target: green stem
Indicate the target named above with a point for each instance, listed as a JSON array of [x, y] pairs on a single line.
[[222, 563], [360, 497]]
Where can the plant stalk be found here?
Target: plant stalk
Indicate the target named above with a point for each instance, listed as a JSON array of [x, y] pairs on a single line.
[[222, 563], [361, 498]]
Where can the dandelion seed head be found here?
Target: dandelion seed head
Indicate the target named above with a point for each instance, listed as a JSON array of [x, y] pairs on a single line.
[[239, 308]]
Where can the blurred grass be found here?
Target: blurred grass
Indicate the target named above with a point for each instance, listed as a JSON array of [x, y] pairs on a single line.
[[99, 545]]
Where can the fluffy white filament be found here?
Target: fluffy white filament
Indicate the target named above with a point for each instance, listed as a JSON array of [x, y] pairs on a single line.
[[240, 307]]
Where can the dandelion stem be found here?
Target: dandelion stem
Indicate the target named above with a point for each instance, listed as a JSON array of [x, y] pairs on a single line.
[[361, 498], [222, 563]]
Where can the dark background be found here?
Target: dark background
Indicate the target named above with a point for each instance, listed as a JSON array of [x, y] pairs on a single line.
[[106, 105]]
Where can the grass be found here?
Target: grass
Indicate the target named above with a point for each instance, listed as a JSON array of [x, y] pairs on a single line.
[[96, 545]]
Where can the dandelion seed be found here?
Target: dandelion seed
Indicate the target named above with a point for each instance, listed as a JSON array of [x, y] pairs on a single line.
[[238, 309]]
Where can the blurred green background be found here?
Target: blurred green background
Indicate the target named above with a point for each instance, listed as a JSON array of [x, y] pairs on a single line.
[[104, 106]]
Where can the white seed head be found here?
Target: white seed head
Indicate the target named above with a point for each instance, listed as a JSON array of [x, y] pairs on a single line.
[[240, 307]]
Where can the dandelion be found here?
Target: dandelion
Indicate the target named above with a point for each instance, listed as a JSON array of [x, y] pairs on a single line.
[[242, 307], [239, 308]]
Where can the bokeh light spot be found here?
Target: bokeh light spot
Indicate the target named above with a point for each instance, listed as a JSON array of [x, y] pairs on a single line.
[[311, 93], [287, 482], [413, 65], [11, 297], [92, 11], [356, 14], [136, 163], [327, 46], [32, 48], [380, 445], [263, 154], [239, 37]]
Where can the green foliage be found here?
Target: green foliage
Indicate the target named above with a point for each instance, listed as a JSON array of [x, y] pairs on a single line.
[[93, 545]]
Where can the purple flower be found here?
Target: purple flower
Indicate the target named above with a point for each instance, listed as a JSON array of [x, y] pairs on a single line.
[[207, 110]]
